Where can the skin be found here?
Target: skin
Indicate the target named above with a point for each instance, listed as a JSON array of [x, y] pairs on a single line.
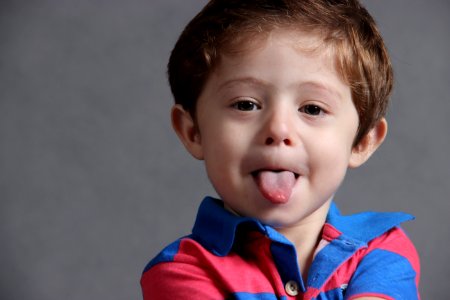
[[279, 106]]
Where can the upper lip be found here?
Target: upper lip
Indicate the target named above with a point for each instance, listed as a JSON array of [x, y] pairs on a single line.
[[275, 168], [276, 162]]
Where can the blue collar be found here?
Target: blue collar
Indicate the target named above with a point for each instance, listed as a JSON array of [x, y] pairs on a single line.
[[364, 227], [215, 228]]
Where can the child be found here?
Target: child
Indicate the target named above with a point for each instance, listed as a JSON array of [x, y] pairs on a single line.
[[279, 98]]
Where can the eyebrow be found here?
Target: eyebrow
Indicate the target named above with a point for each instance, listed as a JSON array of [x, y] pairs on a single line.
[[322, 88], [252, 81], [244, 80]]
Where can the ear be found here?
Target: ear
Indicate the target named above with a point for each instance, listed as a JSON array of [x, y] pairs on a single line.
[[187, 131], [368, 144]]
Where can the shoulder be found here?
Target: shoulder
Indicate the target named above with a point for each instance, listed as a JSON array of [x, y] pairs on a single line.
[[385, 261], [394, 252], [374, 231], [389, 266], [178, 272], [396, 241], [183, 249]]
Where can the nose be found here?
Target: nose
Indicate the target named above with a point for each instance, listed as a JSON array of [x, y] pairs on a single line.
[[278, 130]]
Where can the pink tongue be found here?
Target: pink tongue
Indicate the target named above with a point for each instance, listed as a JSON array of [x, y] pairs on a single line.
[[276, 186]]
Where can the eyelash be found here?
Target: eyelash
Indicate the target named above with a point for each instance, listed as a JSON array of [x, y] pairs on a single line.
[[249, 105], [239, 105], [307, 110]]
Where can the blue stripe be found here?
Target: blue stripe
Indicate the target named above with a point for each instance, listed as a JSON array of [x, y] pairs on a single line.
[[384, 272], [165, 255], [258, 296], [335, 294]]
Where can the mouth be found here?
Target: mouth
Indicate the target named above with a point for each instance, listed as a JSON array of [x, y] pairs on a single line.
[[257, 172], [275, 185], [274, 170]]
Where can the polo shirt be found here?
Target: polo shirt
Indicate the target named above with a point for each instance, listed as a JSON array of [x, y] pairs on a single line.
[[233, 257]]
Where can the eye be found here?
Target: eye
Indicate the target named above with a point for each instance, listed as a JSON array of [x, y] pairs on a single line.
[[311, 109], [245, 105]]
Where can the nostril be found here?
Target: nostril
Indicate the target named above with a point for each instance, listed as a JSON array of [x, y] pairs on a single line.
[[269, 141]]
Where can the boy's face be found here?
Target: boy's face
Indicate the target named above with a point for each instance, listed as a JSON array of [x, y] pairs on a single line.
[[275, 127]]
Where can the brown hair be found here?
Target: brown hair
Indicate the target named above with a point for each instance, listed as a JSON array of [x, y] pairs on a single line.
[[345, 25]]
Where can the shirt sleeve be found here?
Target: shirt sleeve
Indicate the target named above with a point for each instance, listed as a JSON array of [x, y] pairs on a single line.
[[389, 270]]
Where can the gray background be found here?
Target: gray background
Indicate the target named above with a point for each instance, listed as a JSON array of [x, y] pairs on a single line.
[[93, 182]]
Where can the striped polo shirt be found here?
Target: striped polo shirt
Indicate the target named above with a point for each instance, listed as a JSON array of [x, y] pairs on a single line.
[[233, 257]]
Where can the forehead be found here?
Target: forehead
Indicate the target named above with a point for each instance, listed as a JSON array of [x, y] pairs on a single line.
[[316, 41], [279, 58], [247, 44]]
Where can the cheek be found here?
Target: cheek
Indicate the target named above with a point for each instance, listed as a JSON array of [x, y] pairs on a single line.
[[220, 146], [329, 158], [223, 153], [223, 139]]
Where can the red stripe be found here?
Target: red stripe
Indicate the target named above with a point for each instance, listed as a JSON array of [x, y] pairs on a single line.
[[167, 281], [330, 233], [394, 240], [382, 296], [196, 273]]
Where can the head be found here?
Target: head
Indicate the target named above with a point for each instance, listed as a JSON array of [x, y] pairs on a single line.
[[279, 98], [233, 26]]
